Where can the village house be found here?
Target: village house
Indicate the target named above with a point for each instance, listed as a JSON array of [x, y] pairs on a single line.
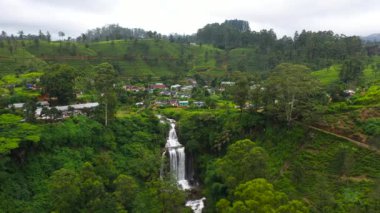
[[42, 103], [199, 103], [158, 86], [160, 103], [191, 81], [175, 87], [184, 96], [183, 103], [187, 88], [225, 84], [173, 103], [67, 111], [349, 92], [132, 88], [16, 106], [166, 93], [30, 86], [139, 104]]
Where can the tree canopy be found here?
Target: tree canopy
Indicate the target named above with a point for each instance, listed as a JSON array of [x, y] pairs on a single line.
[[59, 82], [14, 131], [289, 92], [258, 195], [243, 161], [352, 70]]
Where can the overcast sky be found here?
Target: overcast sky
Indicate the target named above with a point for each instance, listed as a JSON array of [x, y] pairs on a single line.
[[350, 17]]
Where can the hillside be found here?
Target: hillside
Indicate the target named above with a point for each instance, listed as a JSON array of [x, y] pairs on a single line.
[[297, 120], [330, 75], [328, 173], [129, 57], [11, 62]]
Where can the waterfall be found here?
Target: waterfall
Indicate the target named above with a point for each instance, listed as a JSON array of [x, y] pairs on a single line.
[[196, 205], [177, 157]]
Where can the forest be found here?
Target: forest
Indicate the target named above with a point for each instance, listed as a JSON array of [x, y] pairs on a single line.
[[267, 124]]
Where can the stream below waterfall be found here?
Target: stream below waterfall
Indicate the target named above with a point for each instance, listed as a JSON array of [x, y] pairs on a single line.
[[177, 162]]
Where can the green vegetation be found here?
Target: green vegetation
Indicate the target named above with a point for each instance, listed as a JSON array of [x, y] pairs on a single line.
[[130, 58], [59, 83], [327, 76], [81, 165], [272, 125], [13, 133], [258, 195]]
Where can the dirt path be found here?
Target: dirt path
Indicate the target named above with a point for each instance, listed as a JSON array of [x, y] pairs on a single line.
[[366, 146]]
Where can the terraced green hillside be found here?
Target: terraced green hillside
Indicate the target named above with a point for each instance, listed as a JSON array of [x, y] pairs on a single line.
[[11, 62], [129, 57]]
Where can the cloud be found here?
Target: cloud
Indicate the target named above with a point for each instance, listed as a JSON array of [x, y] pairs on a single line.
[[180, 16], [98, 6]]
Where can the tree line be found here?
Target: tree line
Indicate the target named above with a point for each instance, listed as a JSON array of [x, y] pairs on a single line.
[[315, 49]]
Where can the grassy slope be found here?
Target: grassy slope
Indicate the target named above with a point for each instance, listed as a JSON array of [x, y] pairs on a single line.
[[151, 57], [57, 48], [350, 117], [131, 58], [331, 74], [9, 62], [328, 75]]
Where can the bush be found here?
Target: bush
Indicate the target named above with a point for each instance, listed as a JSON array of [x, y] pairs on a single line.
[[341, 107], [372, 96], [372, 126]]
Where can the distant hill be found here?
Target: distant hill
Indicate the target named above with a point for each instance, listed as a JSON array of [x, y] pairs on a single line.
[[214, 50], [129, 57], [372, 37]]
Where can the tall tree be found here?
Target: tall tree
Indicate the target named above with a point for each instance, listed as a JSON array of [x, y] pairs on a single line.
[[61, 34], [48, 36], [21, 34], [30, 110], [289, 92], [41, 35], [105, 81], [352, 70], [58, 82], [3, 34], [240, 93]]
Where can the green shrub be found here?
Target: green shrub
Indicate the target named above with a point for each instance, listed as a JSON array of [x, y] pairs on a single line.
[[342, 107], [372, 126], [372, 96]]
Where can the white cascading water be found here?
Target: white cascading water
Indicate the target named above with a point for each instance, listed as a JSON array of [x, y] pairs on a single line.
[[177, 157], [178, 165], [196, 205]]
